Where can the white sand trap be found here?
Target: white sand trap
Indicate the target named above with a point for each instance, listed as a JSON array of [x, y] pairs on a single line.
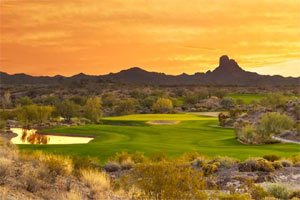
[[162, 122]]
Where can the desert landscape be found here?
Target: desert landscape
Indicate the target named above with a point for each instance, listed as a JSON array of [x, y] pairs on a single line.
[[79, 122]]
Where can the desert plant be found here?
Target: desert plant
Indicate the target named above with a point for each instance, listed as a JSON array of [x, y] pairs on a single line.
[[165, 180], [209, 169], [257, 192], [159, 156], [295, 159], [199, 162], [264, 165], [233, 197], [286, 163], [227, 102], [96, 180], [295, 194], [277, 164], [247, 134], [272, 158], [163, 105], [93, 109], [57, 164], [273, 124], [127, 164], [278, 190], [225, 161], [112, 166], [5, 166]]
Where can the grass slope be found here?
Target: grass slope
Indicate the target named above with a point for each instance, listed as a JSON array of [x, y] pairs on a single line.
[[193, 133], [247, 98]]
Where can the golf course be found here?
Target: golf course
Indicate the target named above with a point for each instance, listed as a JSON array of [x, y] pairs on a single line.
[[134, 133]]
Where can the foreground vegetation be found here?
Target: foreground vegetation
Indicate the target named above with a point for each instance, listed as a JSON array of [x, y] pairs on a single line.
[[131, 133]]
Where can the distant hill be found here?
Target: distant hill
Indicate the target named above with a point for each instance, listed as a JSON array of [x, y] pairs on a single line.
[[227, 73]]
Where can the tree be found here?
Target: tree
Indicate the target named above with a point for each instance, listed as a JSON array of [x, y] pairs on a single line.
[[163, 105], [28, 114], [273, 124], [273, 100], [78, 100], [93, 109], [68, 109], [44, 113], [51, 100], [25, 101], [125, 107], [227, 102], [6, 99], [218, 93], [108, 100]]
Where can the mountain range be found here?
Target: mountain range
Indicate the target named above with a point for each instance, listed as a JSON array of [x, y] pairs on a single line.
[[227, 73]]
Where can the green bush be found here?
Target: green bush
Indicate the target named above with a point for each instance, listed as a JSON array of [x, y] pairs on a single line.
[[264, 165], [166, 180], [277, 164], [163, 105], [247, 135], [233, 197], [159, 156], [225, 161], [272, 158], [227, 102], [279, 191], [209, 169], [199, 162], [273, 124], [257, 192]]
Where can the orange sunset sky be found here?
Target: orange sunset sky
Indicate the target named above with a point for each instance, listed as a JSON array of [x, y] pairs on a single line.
[[49, 37]]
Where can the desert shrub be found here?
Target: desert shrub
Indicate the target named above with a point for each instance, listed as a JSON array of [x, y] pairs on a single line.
[[277, 164], [273, 100], [286, 163], [190, 156], [57, 164], [199, 162], [247, 134], [163, 105], [127, 164], [30, 181], [225, 161], [165, 180], [159, 156], [273, 124], [264, 165], [96, 180], [279, 191], [222, 118], [125, 107], [5, 114], [120, 157], [233, 197], [67, 109], [5, 166], [295, 194], [227, 102], [72, 195], [270, 198], [2, 124], [209, 169], [295, 159], [25, 101], [240, 102], [112, 166], [272, 158], [138, 157], [257, 192]]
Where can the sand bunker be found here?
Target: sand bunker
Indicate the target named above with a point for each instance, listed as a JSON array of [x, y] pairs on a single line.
[[162, 122], [210, 114]]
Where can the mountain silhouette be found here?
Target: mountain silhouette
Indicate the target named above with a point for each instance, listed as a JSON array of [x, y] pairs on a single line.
[[227, 73]]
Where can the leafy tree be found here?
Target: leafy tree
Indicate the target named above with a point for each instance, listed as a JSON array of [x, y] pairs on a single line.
[[79, 100], [125, 107], [44, 112], [202, 94], [218, 93], [2, 124], [28, 114], [148, 102], [93, 109], [25, 101], [6, 99], [68, 109], [274, 123], [227, 102], [51, 100], [108, 100], [163, 105], [191, 99], [158, 93], [273, 100]]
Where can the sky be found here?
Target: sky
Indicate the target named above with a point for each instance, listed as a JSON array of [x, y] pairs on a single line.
[[49, 37]]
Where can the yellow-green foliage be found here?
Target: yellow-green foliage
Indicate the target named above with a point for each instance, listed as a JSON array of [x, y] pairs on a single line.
[[279, 191], [225, 161], [190, 156], [295, 159], [96, 180], [163, 105], [233, 197], [200, 161], [210, 168], [271, 158], [257, 192], [277, 164], [264, 165], [165, 180]]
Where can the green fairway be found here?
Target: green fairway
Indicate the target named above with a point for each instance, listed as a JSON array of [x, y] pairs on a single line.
[[193, 133], [247, 98]]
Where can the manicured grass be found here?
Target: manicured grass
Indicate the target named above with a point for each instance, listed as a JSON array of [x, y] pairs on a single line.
[[193, 133], [247, 97]]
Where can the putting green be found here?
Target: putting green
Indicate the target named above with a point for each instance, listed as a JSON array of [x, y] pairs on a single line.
[[132, 133]]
